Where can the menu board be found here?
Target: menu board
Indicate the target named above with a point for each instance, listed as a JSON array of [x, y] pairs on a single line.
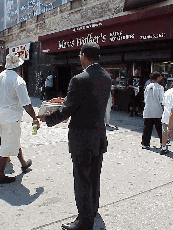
[[16, 11], [21, 50]]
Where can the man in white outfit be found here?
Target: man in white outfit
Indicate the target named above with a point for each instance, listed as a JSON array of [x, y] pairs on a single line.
[[168, 107], [153, 97], [13, 98]]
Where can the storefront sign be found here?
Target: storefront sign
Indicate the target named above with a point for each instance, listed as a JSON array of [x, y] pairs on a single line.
[[84, 27], [119, 36], [153, 36], [21, 50], [100, 38], [115, 31], [114, 37]]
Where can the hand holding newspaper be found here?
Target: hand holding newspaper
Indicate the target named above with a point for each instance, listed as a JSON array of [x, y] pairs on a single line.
[[48, 107]]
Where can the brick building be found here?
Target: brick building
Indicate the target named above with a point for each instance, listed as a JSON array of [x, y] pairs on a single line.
[[130, 33]]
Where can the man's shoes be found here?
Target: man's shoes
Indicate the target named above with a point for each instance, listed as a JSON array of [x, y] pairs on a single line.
[[168, 141], [7, 180], [72, 226], [75, 226], [29, 163], [163, 152], [145, 147]]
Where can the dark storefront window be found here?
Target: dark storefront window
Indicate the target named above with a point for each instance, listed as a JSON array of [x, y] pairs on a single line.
[[166, 69], [118, 75]]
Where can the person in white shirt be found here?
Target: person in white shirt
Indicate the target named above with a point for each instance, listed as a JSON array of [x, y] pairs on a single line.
[[13, 98], [148, 81], [153, 97], [108, 109], [49, 86], [168, 106]]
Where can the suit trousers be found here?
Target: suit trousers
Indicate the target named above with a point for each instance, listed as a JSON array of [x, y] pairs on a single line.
[[86, 172], [148, 128]]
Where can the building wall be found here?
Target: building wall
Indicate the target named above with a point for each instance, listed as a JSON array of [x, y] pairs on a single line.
[[63, 17], [66, 16]]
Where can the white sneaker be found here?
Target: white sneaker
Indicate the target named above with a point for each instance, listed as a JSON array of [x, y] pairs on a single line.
[[145, 147]]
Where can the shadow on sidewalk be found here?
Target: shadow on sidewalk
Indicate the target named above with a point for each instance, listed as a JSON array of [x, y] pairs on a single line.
[[16, 194], [99, 223], [157, 150]]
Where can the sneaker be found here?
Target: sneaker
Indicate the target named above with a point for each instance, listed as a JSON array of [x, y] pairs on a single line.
[[163, 152], [7, 180], [168, 141], [145, 147]]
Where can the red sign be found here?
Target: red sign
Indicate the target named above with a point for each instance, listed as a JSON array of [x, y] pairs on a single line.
[[21, 50], [111, 32]]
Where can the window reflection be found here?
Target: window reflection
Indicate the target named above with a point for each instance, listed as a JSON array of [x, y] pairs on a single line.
[[166, 69], [118, 76]]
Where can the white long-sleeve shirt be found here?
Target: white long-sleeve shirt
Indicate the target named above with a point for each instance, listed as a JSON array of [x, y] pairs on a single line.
[[153, 98]]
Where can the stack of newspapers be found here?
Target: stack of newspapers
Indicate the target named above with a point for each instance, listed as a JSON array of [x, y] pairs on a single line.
[[48, 108]]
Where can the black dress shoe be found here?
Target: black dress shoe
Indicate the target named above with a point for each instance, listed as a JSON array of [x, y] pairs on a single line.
[[75, 226], [7, 180]]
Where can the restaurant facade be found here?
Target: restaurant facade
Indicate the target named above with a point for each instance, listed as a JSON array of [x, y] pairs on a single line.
[[140, 40], [131, 34]]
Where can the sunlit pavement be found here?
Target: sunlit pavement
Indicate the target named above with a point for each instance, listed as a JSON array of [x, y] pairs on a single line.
[[136, 184]]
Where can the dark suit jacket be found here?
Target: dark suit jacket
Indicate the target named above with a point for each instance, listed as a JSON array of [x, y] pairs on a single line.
[[86, 103]]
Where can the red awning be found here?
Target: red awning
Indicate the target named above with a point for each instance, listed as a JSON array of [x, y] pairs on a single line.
[[148, 25]]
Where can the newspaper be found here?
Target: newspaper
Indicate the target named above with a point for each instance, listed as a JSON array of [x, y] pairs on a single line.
[[48, 108]]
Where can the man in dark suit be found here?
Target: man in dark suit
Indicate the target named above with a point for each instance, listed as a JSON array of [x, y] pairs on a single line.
[[86, 103]]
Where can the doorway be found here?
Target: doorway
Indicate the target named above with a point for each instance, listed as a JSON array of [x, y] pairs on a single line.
[[63, 79]]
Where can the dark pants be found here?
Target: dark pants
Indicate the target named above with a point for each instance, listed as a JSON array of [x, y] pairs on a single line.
[[86, 172], [148, 128], [49, 93]]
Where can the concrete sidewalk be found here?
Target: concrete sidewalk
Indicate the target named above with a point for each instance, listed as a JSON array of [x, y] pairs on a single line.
[[136, 184]]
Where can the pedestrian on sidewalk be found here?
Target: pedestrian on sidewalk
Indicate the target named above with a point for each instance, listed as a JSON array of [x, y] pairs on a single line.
[[148, 81], [49, 86], [86, 103], [42, 87], [152, 114], [134, 83], [170, 125], [13, 97], [168, 106], [108, 110]]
